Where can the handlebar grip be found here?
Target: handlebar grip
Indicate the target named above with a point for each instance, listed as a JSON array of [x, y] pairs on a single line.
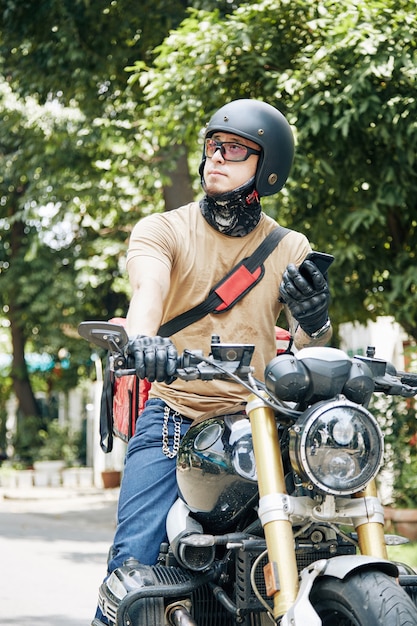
[[124, 372], [407, 378]]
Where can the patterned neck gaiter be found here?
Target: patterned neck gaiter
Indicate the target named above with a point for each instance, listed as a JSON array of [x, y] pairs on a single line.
[[235, 213]]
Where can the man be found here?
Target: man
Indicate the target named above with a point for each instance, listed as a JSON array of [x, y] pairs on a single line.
[[174, 259]]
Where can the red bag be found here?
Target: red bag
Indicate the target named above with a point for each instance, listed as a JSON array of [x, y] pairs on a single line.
[[122, 401], [283, 340], [129, 397]]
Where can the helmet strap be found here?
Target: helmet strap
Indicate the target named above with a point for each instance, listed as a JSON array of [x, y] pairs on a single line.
[[235, 213]]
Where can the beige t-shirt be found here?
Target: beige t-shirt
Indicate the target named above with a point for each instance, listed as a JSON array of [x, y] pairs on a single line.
[[199, 257]]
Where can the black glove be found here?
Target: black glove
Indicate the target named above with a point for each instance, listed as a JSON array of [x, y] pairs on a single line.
[[155, 358], [306, 295]]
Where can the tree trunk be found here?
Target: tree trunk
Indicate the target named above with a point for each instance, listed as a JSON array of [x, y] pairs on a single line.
[[19, 374], [180, 191], [410, 329]]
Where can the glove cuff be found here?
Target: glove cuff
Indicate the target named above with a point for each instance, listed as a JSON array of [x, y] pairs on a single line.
[[321, 331]]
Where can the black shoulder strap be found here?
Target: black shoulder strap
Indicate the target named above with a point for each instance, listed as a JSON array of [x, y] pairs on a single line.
[[238, 282]]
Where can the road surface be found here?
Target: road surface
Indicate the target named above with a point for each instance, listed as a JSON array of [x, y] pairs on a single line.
[[53, 550]]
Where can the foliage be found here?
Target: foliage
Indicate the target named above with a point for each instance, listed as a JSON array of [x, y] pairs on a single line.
[[345, 75], [58, 443], [86, 148], [38, 439], [45, 227], [76, 50], [70, 182], [398, 420], [356, 116], [28, 440], [404, 553]]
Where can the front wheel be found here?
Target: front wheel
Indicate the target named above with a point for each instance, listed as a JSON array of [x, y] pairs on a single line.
[[366, 598]]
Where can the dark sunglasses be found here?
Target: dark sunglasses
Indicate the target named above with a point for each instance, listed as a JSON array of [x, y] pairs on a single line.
[[230, 150]]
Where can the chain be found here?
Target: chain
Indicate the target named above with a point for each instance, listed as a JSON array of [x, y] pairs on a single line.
[[177, 419]]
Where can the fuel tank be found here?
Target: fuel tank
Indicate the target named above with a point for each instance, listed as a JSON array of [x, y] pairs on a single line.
[[216, 471]]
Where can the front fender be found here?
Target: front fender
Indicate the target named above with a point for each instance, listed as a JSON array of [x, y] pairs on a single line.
[[342, 566], [302, 612]]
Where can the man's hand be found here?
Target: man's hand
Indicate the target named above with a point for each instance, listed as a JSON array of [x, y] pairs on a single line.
[[307, 296], [155, 358]]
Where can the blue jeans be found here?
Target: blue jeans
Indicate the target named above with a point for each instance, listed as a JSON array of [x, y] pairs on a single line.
[[147, 491]]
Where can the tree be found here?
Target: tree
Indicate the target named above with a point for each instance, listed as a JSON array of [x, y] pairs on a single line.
[[43, 228], [77, 50], [345, 77], [96, 150], [71, 174], [356, 113]]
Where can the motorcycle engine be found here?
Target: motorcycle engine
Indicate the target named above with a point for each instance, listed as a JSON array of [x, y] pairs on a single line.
[[141, 594]]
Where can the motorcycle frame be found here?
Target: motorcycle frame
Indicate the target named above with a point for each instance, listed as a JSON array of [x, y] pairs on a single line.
[[278, 510]]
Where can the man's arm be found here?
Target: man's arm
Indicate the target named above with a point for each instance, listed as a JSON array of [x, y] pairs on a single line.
[[150, 280], [155, 357]]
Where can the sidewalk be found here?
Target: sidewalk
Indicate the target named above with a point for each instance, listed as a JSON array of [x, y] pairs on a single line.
[[57, 493]]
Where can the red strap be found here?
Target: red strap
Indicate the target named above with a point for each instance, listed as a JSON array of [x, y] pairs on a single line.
[[235, 285]]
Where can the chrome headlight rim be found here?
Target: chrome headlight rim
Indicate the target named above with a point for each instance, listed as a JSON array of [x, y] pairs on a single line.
[[299, 448]]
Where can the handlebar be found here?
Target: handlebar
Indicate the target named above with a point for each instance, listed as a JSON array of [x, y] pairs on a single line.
[[388, 380], [408, 379], [193, 365], [394, 386], [227, 362], [232, 362]]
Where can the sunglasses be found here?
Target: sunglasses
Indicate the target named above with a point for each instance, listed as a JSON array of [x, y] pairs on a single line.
[[230, 150]]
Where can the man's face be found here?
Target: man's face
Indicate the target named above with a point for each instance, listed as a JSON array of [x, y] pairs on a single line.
[[221, 175]]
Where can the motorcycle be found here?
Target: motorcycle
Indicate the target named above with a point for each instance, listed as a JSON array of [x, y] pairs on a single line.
[[278, 520]]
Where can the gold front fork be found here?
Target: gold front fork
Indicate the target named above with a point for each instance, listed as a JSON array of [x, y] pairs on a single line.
[[281, 572], [371, 534]]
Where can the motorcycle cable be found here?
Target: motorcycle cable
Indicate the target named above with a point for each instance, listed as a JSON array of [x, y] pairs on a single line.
[[289, 414]]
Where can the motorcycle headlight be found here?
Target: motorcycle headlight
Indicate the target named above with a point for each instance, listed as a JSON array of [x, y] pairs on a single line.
[[337, 447]]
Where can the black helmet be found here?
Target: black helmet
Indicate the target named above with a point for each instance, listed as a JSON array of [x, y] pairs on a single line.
[[266, 126]]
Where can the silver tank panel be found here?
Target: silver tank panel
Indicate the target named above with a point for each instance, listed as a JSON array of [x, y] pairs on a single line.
[[216, 470]]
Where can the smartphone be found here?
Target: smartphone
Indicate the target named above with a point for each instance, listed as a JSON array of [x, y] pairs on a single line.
[[321, 259]]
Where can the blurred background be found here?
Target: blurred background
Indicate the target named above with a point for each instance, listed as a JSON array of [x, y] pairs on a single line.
[[102, 104]]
